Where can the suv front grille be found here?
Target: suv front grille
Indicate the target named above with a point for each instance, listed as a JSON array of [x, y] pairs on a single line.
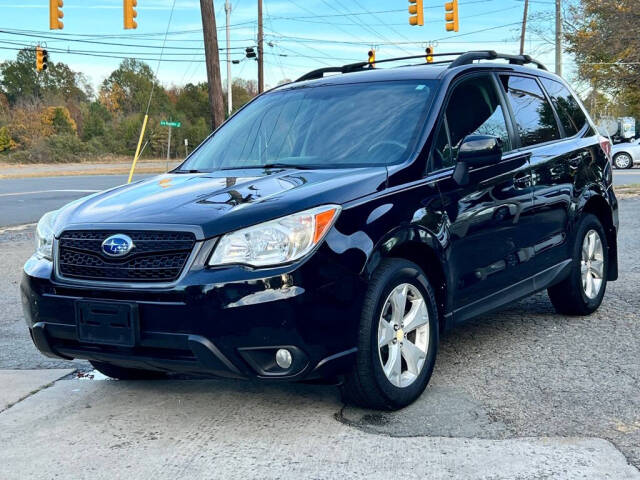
[[157, 256]]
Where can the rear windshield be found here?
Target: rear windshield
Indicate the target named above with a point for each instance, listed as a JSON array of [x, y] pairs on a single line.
[[328, 126]]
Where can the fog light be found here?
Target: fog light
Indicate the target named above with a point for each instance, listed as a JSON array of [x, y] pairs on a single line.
[[283, 358]]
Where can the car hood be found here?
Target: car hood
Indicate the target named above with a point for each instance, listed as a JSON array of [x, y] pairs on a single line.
[[214, 203]]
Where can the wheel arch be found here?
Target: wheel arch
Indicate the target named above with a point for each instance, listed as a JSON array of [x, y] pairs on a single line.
[[597, 205], [422, 248]]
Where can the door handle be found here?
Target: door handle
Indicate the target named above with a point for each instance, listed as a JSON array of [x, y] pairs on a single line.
[[523, 181], [575, 162]]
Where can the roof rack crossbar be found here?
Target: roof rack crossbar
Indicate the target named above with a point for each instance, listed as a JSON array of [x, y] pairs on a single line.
[[463, 58]]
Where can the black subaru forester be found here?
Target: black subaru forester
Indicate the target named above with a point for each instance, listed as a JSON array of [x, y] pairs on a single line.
[[335, 227]]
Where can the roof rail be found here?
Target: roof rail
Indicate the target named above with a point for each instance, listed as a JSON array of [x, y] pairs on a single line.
[[470, 57], [463, 58], [354, 67]]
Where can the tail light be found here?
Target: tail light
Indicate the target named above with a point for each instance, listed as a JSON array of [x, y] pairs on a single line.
[[605, 144]]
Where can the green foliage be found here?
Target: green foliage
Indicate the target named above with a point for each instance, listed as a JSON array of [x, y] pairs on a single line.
[[54, 116], [21, 80], [96, 121]]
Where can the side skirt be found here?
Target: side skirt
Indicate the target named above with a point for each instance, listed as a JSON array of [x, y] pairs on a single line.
[[513, 293]]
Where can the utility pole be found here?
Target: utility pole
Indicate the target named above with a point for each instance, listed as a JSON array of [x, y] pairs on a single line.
[[227, 9], [260, 50], [524, 26], [212, 58], [558, 37]]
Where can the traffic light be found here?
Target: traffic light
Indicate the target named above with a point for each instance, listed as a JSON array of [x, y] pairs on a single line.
[[372, 57], [42, 59], [416, 12], [451, 16], [55, 14], [130, 14], [39, 58], [429, 52], [251, 53]]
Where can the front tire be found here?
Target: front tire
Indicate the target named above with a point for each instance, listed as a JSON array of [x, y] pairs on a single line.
[[397, 340], [121, 373], [581, 293]]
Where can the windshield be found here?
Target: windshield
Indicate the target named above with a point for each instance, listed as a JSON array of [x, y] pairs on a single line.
[[327, 126]]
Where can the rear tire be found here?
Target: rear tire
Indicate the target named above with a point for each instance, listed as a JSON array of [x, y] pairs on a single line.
[[578, 294], [121, 373], [383, 346]]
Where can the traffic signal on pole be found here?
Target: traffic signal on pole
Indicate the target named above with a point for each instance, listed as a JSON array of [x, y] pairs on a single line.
[[451, 16], [372, 57], [130, 14], [42, 59], [416, 12], [251, 53], [429, 51], [55, 14]]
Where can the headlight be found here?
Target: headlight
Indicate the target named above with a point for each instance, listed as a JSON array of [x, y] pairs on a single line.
[[44, 235], [278, 241]]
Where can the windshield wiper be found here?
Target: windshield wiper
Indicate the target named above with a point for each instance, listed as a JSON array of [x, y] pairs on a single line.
[[289, 165], [273, 165], [191, 171]]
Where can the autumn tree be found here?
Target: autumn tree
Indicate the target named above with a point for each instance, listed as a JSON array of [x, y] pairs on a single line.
[[603, 37]]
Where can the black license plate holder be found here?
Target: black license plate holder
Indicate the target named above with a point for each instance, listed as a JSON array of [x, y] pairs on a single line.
[[107, 323]]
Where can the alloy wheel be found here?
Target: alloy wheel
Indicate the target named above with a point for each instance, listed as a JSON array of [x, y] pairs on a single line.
[[623, 161], [403, 335], [592, 264]]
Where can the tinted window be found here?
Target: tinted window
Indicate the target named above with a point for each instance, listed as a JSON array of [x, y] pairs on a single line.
[[571, 115], [533, 114], [473, 109], [321, 126]]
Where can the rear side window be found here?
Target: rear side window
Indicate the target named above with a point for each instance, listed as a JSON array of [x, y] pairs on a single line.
[[533, 114], [571, 115]]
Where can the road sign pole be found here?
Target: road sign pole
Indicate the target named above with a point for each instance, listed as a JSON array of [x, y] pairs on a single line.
[[168, 148]]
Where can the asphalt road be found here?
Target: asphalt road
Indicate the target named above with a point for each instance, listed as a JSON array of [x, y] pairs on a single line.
[[24, 200], [520, 393], [626, 177]]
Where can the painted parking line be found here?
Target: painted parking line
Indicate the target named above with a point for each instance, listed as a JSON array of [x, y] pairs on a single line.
[[36, 192]]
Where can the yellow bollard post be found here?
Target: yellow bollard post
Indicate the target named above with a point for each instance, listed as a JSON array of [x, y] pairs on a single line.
[[135, 159]]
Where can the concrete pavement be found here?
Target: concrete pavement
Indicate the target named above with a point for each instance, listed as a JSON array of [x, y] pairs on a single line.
[[19, 384], [212, 429]]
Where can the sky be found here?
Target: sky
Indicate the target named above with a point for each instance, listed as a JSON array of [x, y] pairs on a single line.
[[300, 35]]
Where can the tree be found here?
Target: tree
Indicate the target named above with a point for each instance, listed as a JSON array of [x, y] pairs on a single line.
[[20, 79], [194, 100], [6, 142], [129, 86], [95, 124], [604, 40], [60, 120]]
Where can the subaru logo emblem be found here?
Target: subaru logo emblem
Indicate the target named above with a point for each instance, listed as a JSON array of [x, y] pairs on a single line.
[[117, 245]]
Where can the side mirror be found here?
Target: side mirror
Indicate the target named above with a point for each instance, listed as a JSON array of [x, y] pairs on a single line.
[[476, 151]]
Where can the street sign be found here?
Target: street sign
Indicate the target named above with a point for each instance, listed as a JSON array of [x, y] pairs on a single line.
[[165, 123]]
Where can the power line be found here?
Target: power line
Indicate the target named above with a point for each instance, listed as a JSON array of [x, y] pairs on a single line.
[[95, 42]]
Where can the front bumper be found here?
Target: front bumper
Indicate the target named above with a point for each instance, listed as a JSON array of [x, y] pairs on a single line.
[[226, 321]]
